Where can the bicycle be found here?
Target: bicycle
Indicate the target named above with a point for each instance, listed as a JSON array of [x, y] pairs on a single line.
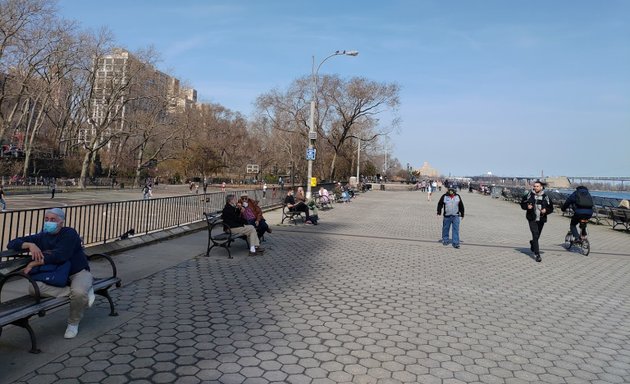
[[583, 245]]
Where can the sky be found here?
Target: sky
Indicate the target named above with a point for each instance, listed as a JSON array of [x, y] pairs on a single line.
[[515, 88]]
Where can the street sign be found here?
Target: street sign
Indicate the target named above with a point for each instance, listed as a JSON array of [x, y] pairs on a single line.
[[252, 168], [310, 153], [313, 181], [312, 135]]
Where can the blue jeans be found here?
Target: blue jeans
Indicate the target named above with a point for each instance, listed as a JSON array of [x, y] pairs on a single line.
[[446, 224]]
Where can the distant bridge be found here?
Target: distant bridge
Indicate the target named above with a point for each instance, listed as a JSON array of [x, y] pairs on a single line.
[[572, 179], [598, 178]]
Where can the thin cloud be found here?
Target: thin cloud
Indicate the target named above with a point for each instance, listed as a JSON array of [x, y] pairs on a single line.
[[180, 47]]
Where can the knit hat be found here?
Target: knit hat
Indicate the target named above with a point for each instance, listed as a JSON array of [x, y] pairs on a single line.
[[57, 212]]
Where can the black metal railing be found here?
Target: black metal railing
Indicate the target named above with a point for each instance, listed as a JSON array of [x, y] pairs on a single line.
[[104, 222]]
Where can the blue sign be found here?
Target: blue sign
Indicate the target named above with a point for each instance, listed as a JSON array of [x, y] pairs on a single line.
[[310, 153]]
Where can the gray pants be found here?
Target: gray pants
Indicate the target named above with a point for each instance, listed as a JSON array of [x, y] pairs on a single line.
[[80, 284], [250, 232]]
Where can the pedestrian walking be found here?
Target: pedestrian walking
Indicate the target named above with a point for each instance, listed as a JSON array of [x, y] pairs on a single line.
[[223, 187], [264, 190], [146, 192], [2, 201], [452, 206], [538, 206], [53, 189]]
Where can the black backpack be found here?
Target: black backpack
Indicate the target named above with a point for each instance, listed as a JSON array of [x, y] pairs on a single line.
[[583, 199]]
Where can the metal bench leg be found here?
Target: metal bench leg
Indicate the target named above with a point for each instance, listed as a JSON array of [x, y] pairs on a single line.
[[209, 249], [227, 248], [105, 294], [24, 324]]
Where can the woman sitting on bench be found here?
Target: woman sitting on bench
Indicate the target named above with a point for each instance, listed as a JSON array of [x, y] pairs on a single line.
[[324, 196]]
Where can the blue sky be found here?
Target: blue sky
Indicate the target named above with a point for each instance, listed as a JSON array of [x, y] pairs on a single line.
[[515, 88]]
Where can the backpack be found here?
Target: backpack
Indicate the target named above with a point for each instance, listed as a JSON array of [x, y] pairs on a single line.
[[583, 199]]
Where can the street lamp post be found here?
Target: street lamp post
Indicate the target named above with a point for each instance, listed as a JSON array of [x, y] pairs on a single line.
[[358, 158], [312, 133]]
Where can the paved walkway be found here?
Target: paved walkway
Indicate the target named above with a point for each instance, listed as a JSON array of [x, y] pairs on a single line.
[[367, 296]]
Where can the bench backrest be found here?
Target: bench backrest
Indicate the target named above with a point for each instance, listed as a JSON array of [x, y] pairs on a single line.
[[620, 213]]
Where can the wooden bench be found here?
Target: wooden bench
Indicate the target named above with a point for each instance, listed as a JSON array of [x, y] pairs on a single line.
[[19, 310], [219, 234], [291, 215], [620, 216]]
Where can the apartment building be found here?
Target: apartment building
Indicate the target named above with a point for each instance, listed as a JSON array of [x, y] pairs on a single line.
[[122, 86]]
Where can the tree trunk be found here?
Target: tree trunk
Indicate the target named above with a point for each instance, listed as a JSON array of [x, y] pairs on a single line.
[[35, 128], [85, 168], [332, 166], [138, 165]]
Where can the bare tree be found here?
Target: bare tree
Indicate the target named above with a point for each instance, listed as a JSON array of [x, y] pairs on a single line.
[[57, 52], [110, 84], [357, 104], [21, 23], [344, 110], [152, 126]]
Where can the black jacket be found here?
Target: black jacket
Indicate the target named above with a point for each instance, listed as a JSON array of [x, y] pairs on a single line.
[[232, 216], [530, 198], [571, 201]]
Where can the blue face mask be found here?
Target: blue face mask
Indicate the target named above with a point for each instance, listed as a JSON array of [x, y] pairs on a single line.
[[50, 227]]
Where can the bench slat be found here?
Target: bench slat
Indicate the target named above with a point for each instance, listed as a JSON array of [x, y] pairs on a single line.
[[28, 308]]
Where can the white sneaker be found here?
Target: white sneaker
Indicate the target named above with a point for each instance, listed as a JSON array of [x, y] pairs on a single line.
[[71, 331], [91, 297]]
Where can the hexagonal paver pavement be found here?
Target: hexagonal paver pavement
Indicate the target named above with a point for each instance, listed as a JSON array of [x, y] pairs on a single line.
[[371, 296]]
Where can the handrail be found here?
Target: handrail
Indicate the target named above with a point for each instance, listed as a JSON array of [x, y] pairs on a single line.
[[101, 223]]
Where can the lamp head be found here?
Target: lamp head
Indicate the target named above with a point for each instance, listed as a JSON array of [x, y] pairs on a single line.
[[347, 53]]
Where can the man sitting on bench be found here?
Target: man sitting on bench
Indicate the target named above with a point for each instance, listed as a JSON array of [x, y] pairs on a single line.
[[299, 205], [56, 245], [232, 218]]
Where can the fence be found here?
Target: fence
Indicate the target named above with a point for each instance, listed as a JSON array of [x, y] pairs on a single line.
[[103, 222]]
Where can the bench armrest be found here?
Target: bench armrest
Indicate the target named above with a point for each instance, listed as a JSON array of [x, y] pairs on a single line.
[[21, 275], [108, 258], [212, 218]]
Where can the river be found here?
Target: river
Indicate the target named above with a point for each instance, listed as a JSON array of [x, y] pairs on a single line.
[[605, 194]]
